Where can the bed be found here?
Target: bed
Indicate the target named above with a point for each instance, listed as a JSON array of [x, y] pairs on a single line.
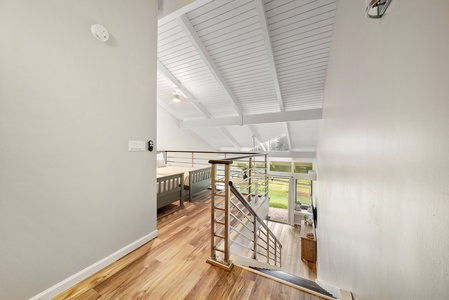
[[170, 188], [194, 179], [173, 182]]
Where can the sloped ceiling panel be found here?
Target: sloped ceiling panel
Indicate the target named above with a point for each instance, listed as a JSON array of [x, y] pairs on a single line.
[[214, 137], [270, 131], [304, 135], [231, 33], [238, 58], [301, 33], [185, 109], [243, 136], [177, 54]]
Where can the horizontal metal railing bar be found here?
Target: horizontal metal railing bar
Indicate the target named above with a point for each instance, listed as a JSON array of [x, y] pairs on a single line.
[[209, 152], [247, 213], [241, 234], [241, 245], [228, 161], [219, 236], [261, 246], [218, 208], [241, 222], [219, 222]]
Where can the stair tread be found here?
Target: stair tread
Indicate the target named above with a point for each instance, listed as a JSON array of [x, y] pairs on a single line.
[[302, 282]]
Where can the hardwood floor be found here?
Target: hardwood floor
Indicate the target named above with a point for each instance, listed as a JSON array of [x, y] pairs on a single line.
[[289, 236], [173, 266]]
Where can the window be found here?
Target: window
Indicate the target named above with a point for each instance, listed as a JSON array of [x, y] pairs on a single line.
[[303, 193], [280, 166], [303, 168]]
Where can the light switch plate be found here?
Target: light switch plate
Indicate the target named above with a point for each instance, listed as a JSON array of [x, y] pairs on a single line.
[[134, 146]]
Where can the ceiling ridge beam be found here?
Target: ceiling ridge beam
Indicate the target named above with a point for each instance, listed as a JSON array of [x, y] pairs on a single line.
[[290, 116], [260, 7], [230, 138], [169, 75], [207, 59]]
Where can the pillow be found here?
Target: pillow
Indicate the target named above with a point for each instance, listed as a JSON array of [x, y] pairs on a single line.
[[160, 160]]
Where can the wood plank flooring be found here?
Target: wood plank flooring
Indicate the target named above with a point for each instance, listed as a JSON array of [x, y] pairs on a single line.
[[289, 236], [173, 266]]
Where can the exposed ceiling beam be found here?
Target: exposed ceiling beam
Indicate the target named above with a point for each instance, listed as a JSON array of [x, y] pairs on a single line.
[[167, 74], [208, 61], [182, 11], [298, 115], [292, 154], [289, 140], [230, 138], [268, 46]]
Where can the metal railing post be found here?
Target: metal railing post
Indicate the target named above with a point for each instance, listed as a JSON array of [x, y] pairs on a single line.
[[255, 238], [226, 233], [250, 166], [212, 214]]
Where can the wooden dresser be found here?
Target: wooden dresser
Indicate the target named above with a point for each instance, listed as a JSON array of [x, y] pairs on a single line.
[[308, 245]]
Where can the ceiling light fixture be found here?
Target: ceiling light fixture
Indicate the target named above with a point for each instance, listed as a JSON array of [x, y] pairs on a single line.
[[176, 97]]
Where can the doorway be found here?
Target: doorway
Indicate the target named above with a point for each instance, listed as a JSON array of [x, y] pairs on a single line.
[[278, 193]]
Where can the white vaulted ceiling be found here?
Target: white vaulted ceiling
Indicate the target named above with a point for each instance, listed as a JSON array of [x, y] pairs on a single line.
[[248, 68]]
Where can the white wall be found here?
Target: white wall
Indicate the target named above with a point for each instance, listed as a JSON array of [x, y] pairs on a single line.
[[70, 192], [171, 137], [383, 160]]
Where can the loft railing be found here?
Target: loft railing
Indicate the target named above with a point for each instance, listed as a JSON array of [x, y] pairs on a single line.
[[238, 185]]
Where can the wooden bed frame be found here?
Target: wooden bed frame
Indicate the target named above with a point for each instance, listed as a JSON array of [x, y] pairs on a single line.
[[199, 180], [170, 188]]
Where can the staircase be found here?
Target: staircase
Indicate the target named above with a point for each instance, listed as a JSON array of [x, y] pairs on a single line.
[[277, 274], [239, 235]]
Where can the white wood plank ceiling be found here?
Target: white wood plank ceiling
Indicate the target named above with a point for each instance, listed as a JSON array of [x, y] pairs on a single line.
[[246, 68]]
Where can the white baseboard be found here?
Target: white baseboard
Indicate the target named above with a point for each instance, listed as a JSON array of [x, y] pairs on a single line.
[[92, 269]]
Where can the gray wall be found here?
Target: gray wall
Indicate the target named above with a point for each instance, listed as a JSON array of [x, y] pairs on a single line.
[[70, 192], [383, 197]]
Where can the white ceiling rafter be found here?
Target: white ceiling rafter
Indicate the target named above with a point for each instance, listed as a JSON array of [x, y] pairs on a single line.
[[260, 7], [289, 140], [298, 115], [257, 136], [230, 138], [167, 74], [202, 51], [183, 10]]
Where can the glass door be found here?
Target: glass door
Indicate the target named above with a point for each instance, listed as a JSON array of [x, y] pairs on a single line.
[[302, 200], [278, 192]]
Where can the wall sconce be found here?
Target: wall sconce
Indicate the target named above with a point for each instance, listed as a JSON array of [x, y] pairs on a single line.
[[377, 8]]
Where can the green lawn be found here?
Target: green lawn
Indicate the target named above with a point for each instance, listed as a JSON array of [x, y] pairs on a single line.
[[278, 192]]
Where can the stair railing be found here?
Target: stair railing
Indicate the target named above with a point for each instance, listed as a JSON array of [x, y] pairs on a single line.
[[234, 220]]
